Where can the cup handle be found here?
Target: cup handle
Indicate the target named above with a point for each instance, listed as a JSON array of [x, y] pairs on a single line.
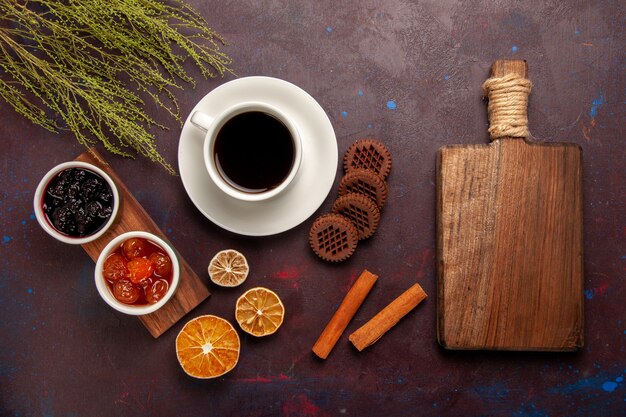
[[201, 120]]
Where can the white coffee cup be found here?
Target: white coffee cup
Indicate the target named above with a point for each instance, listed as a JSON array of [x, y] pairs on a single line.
[[212, 125]]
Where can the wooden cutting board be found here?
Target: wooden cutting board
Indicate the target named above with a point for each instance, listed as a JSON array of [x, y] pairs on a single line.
[[132, 216], [510, 243]]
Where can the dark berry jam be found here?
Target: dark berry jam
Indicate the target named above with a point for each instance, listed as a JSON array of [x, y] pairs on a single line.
[[78, 202]]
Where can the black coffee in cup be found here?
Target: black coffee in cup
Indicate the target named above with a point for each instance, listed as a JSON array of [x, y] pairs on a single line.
[[254, 152]]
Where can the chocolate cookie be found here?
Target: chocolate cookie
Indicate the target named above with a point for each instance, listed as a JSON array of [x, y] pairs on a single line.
[[366, 182], [333, 237], [361, 210], [368, 153]]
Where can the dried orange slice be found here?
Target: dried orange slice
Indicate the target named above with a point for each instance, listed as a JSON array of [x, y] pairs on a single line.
[[207, 347], [228, 268], [259, 311]]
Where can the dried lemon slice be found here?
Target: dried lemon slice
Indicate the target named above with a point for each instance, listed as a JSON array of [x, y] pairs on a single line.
[[228, 268], [207, 347], [259, 311]]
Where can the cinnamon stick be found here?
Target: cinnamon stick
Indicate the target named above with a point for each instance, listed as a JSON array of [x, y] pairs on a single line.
[[349, 306], [388, 317]]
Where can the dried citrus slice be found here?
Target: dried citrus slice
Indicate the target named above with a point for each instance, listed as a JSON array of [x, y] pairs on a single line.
[[228, 268], [259, 311], [207, 347]]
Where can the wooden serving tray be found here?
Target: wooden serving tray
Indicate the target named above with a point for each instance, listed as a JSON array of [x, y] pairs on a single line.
[[131, 216]]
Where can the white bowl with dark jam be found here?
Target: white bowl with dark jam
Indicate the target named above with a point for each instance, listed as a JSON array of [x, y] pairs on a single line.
[[137, 273], [76, 202]]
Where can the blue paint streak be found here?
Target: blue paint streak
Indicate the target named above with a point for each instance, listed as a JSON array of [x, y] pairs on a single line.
[[619, 379], [329, 29], [359, 93], [344, 114], [577, 32], [32, 216], [577, 386], [514, 49], [497, 392], [6, 239], [609, 386], [586, 384], [391, 105], [30, 290], [23, 222], [446, 77], [589, 294], [530, 410], [596, 104]]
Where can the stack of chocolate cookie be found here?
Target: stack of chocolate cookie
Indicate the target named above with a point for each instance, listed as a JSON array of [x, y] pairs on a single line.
[[355, 215]]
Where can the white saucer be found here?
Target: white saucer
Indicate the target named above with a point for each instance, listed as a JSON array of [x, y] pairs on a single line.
[[308, 189]]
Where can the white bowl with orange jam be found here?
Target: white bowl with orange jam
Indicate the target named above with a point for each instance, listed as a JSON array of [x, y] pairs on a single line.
[[137, 273]]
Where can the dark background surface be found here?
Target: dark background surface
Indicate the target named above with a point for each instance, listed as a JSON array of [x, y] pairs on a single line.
[[410, 74]]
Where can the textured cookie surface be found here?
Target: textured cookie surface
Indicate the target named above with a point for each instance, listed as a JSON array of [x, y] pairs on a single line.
[[361, 211], [366, 182], [333, 237], [368, 153]]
